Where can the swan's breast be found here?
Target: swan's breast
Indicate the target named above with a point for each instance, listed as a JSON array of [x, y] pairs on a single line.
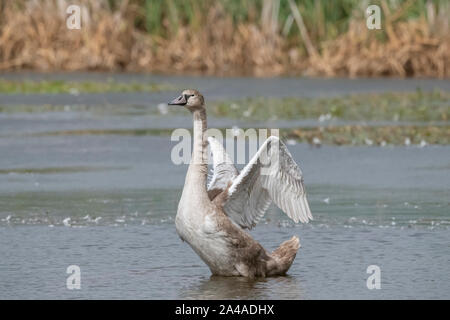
[[208, 240]]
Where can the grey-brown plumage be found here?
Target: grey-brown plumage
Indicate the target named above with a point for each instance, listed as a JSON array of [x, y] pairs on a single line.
[[212, 219]]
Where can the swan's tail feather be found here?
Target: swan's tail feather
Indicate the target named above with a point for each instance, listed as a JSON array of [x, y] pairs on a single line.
[[283, 257]]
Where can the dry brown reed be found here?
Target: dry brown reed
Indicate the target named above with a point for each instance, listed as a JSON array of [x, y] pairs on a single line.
[[33, 35], [410, 50]]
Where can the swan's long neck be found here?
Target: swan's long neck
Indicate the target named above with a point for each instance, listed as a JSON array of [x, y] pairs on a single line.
[[199, 153], [198, 168]]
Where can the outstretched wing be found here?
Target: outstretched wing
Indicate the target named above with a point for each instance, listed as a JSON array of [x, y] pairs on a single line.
[[224, 170], [271, 175]]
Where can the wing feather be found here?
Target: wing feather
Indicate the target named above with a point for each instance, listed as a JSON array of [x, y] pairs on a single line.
[[258, 184], [224, 170]]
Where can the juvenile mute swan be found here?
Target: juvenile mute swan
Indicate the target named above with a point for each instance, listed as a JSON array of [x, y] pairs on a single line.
[[212, 219]]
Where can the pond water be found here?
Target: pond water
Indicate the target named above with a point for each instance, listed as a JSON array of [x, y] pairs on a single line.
[[107, 202]]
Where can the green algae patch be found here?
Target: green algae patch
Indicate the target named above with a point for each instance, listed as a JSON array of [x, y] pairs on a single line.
[[76, 87], [57, 170], [97, 132]]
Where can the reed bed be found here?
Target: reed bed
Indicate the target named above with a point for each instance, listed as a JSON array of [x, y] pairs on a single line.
[[228, 37]]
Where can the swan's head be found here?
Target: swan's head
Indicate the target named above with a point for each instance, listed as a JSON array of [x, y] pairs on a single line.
[[191, 99]]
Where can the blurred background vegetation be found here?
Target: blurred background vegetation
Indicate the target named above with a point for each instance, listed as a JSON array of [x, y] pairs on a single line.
[[229, 37]]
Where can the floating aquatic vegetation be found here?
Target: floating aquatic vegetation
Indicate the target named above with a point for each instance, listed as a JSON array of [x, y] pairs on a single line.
[[395, 107], [75, 88], [419, 136]]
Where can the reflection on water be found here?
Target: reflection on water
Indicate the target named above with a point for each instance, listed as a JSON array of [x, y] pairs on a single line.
[[216, 287]]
